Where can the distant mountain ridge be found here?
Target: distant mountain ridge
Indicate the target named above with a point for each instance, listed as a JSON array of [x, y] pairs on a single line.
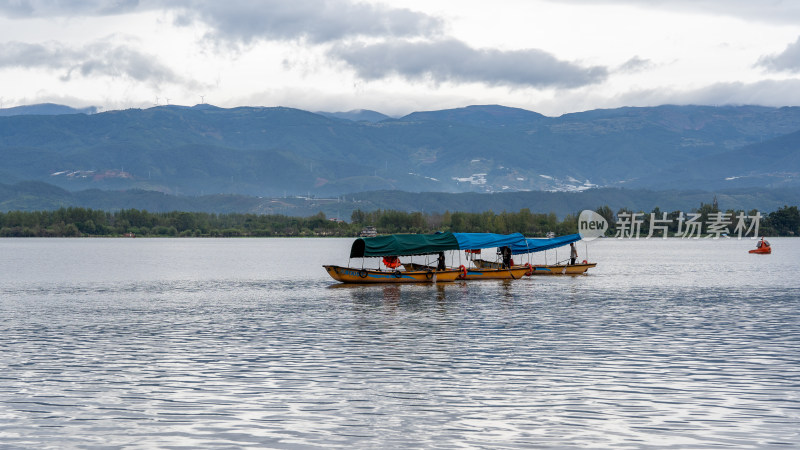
[[45, 109], [479, 115], [36, 196], [357, 115], [774, 163], [276, 151]]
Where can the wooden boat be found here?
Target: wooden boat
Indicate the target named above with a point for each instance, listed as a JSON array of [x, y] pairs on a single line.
[[366, 276], [389, 247], [535, 245]]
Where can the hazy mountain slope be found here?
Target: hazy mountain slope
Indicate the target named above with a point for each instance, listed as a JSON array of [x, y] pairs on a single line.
[[773, 163], [38, 196], [356, 115], [49, 109], [480, 115], [268, 151]]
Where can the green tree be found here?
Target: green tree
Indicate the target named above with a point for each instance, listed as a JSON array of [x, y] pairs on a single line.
[[358, 216], [608, 214], [785, 221], [185, 221]]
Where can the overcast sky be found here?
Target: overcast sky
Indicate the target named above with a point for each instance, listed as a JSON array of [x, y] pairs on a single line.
[[552, 57]]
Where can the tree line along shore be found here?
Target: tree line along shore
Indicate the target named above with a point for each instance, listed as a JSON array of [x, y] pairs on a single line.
[[83, 222]]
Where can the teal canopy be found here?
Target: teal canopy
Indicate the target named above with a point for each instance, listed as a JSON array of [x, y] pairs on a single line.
[[425, 244], [403, 245]]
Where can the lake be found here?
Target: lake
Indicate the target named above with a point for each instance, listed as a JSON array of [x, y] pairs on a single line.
[[230, 343]]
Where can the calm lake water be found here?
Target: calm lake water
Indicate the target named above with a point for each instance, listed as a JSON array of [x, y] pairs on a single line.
[[229, 343]]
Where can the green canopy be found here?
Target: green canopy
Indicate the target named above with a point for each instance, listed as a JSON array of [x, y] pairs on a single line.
[[403, 245]]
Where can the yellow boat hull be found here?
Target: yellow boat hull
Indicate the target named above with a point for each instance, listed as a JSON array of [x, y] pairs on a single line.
[[481, 273], [487, 273], [369, 276]]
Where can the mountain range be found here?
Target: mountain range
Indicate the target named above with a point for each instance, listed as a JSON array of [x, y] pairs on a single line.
[[278, 152], [37, 196], [45, 109]]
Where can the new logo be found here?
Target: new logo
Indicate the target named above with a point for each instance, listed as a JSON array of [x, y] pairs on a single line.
[[591, 225]]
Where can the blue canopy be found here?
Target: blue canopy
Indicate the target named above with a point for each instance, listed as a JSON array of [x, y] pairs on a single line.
[[423, 244], [476, 241], [533, 245]]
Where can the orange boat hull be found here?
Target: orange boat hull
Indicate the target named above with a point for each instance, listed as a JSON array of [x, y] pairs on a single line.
[[761, 251]]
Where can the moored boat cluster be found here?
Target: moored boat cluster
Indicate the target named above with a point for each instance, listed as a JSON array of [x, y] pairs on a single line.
[[432, 265]]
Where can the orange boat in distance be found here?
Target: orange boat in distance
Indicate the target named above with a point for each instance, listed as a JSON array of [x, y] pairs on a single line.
[[762, 248]]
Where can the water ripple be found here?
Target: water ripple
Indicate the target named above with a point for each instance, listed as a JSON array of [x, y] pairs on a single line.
[[289, 362]]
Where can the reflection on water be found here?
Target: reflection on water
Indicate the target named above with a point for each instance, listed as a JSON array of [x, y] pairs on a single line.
[[235, 343]]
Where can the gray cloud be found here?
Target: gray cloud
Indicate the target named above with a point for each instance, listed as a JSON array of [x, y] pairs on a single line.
[[98, 58], [317, 21], [57, 8], [788, 60], [244, 21], [452, 60]]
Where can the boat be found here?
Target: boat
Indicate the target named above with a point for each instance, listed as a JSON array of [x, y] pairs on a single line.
[[480, 269], [369, 232], [535, 245], [762, 248], [390, 248]]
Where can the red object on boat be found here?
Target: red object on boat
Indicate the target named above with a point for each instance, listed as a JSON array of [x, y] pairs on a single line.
[[762, 248], [391, 261]]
